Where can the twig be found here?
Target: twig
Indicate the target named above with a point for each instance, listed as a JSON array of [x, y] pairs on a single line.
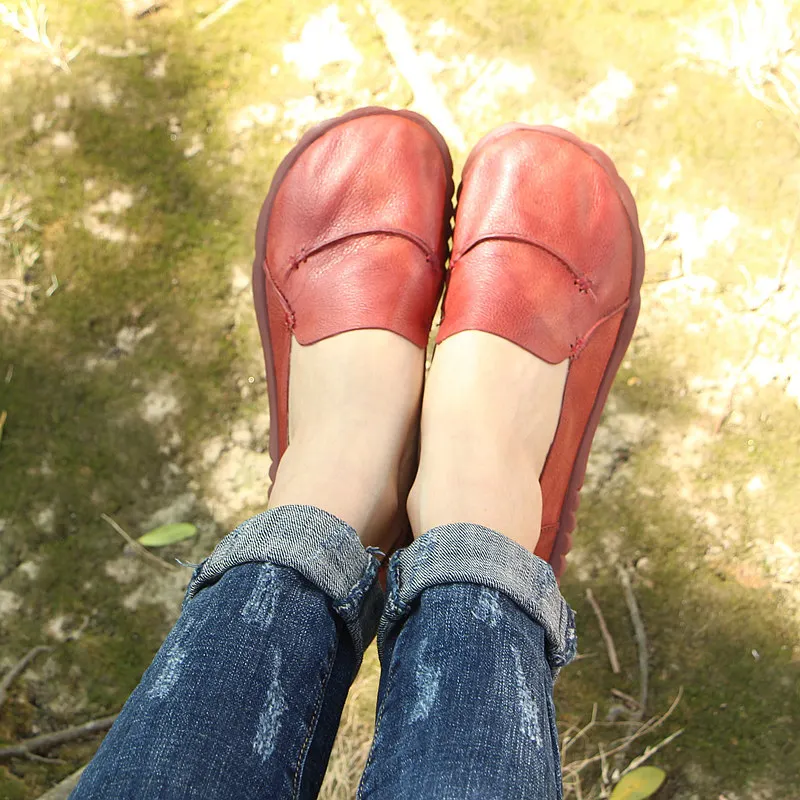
[[3, 418], [78, 632], [585, 729], [403, 51], [227, 6], [19, 668], [780, 279], [48, 741], [30, 21], [604, 779], [648, 727], [668, 279], [649, 751], [569, 731], [43, 759], [582, 656], [739, 379], [641, 638], [150, 10], [140, 549], [626, 698], [609, 642]]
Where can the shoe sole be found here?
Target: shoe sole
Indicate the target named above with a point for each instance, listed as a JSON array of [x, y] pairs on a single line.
[[259, 263], [567, 518]]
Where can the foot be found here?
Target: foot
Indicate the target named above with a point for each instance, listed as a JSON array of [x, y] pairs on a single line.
[[489, 417], [353, 419], [349, 265], [547, 254]]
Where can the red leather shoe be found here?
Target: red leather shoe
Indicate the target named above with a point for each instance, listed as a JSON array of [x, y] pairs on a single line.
[[353, 234], [547, 253]]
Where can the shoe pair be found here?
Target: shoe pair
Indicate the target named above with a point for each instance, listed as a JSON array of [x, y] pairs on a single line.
[[547, 254]]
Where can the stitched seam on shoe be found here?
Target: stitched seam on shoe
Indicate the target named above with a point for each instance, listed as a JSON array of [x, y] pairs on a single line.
[[290, 315], [579, 279], [307, 252], [580, 343], [549, 527]]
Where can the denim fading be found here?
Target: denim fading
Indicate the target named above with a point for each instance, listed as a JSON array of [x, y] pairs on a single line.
[[245, 695]]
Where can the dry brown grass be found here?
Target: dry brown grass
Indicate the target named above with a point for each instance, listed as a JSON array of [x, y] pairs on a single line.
[[354, 739], [16, 255]]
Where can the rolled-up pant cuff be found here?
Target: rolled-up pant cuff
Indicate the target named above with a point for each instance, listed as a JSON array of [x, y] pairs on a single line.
[[322, 548], [467, 553]]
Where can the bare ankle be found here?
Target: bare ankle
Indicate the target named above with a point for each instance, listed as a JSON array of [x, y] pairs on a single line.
[[512, 507], [353, 419], [360, 491], [489, 416]]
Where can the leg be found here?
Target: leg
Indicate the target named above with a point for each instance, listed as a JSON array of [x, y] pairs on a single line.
[[542, 299], [473, 634], [246, 693], [474, 629], [244, 697]]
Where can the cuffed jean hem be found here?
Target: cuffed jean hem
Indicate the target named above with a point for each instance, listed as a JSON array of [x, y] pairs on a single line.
[[322, 548], [467, 553]]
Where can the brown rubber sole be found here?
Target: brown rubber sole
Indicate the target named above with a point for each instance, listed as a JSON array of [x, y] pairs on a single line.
[[259, 276]]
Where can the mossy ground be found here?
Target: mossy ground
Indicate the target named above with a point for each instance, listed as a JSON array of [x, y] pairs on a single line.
[[134, 389]]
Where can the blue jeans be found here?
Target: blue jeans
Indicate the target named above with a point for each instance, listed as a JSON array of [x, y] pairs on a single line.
[[245, 695]]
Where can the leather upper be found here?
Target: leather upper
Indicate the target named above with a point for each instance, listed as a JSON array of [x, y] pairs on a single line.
[[357, 238], [543, 255], [542, 249]]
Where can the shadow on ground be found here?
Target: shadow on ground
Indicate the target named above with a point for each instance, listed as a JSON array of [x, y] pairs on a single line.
[[111, 381], [722, 635]]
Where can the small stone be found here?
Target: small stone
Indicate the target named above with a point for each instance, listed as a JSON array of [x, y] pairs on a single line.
[[10, 603], [212, 451], [240, 280], [64, 141], [158, 405], [105, 95], [159, 68], [30, 569], [46, 519], [755, 484], [241, 434], [57, 628], [39, 122], [195, 147]]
